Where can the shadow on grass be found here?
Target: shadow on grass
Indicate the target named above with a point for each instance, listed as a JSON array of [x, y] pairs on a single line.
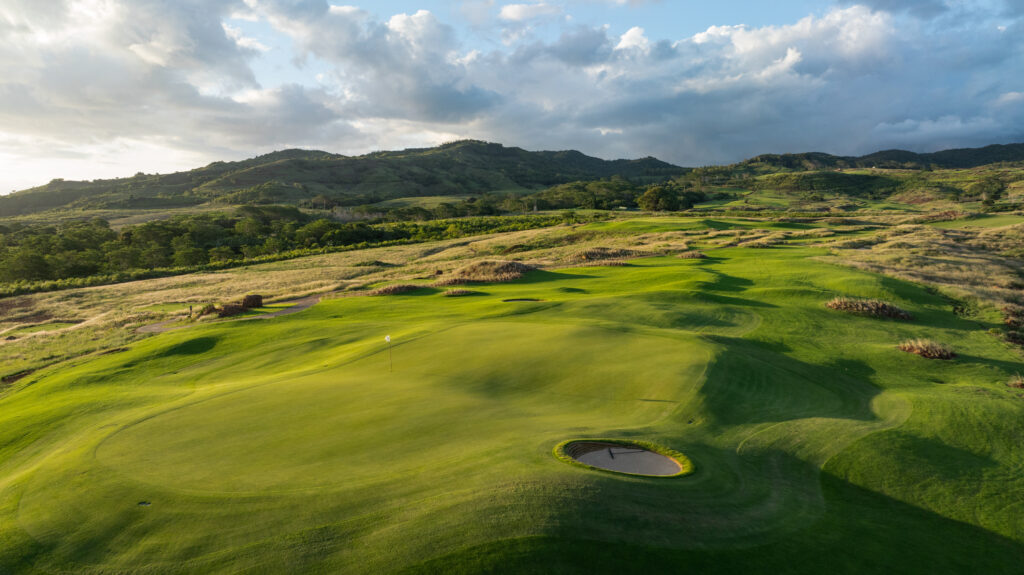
[[191, 347], [755, 382], [862, 532]]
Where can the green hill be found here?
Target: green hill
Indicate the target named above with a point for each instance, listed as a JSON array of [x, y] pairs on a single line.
[[950, 159], [291, 176]]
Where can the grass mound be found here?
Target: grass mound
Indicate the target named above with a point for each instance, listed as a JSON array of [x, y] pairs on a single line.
[[927, 348], [395, 289], [486, 271], [692, 255], [599, 253], [1016, 382], [871, 307], [459, 292]]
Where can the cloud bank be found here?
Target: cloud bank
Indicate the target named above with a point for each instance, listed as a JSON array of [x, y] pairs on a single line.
[[94, 83]]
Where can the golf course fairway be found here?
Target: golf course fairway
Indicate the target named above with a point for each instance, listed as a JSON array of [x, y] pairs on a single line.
[[302, 444]]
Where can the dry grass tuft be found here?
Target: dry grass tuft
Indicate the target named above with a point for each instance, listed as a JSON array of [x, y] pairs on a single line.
[[870, 307], [927, 348], [459, 292], [395, 289], [1016, 382], [692, 255], [599, 253], [486, 271]]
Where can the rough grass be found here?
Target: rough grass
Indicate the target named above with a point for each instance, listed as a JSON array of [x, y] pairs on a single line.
[[691, 255], [486, 271], [1016, 382], [869, 307], [459, 292], [927, 348], [395, 289], [603, 253]]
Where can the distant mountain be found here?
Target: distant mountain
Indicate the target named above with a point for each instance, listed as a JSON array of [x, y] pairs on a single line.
[[458, 168], [291, 176], [950, 159]]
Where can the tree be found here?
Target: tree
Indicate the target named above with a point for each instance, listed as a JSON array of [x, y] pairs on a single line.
[[659, 199], [25, 264], [222, 254]]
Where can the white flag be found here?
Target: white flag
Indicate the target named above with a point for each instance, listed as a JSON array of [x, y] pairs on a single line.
[[387, 338]]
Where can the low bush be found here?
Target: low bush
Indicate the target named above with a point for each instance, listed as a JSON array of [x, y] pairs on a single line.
[[230, 310], [927, 348], [869, 307], [250, 301]]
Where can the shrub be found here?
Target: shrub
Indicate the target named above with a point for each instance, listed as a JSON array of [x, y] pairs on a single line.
[[230, 310], [250, 301], [870, 307], [207, 309], [691, 255], [459, 292], [927, 348], [395, 289]]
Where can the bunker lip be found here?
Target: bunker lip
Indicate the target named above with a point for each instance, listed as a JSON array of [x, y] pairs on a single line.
[[640, 458]]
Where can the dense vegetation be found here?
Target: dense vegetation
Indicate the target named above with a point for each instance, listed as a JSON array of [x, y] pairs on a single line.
[[33, 254]]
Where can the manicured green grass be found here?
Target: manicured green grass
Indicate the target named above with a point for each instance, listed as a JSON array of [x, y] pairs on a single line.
[[301, 444], [428, 202]]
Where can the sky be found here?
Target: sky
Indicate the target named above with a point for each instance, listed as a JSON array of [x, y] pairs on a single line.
[[107, 88]]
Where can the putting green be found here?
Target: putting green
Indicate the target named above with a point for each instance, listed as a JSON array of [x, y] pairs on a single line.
[[335, 426], [299, 444]]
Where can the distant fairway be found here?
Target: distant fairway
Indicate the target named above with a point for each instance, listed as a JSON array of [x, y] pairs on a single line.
[[291, 446]]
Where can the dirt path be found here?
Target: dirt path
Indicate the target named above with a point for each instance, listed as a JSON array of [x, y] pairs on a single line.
[[297, 306]]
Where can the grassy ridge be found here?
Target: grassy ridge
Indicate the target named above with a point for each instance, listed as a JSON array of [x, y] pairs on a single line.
[[291, 445]]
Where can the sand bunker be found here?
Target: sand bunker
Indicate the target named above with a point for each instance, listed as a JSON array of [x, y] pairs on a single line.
[[622, 458], [520, 299]]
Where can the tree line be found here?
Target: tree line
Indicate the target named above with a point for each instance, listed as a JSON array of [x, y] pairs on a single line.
[[31, 254]]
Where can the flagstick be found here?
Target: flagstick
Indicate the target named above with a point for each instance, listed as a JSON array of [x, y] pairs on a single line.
[[391, 366]]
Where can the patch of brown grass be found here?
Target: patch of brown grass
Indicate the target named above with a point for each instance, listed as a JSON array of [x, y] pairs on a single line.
[[459, 292], [1016, 382], [927, 348], [870, 307]]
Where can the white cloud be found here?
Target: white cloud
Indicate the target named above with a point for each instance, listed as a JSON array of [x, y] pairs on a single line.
[[633, 39], [81, 79], [525, 12]]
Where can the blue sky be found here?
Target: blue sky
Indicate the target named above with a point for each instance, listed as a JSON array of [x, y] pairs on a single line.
[[104, 88]]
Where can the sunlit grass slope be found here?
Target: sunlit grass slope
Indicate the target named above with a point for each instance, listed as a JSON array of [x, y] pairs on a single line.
[[300, 444]]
